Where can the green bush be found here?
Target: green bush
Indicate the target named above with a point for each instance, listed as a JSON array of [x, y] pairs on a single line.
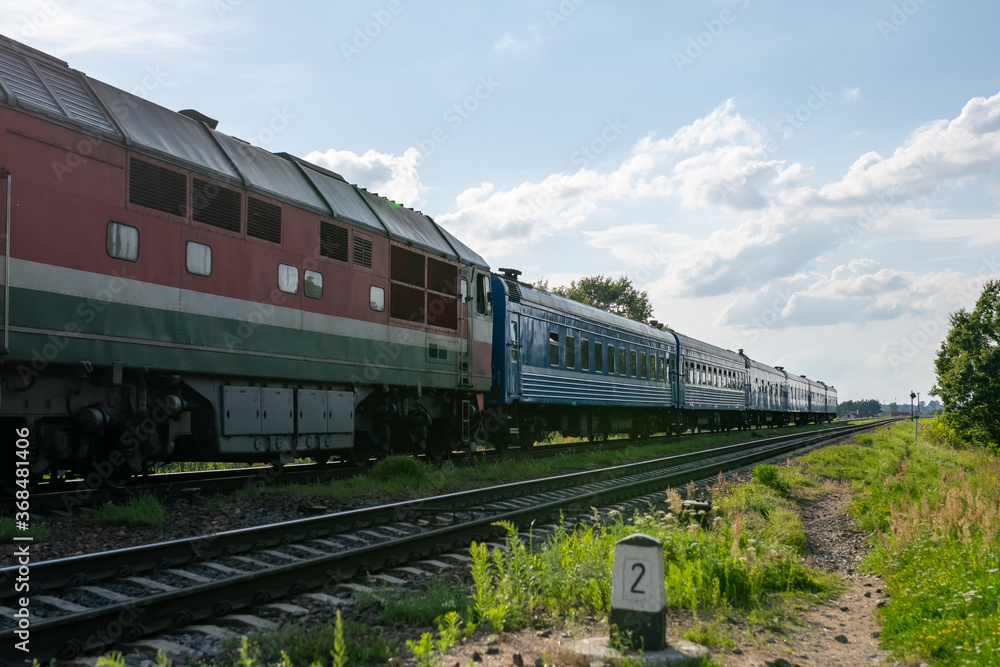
[[394, 469]]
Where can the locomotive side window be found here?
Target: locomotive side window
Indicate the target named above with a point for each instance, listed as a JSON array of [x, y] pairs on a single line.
[[314, 284], [199, 259], [123, 241], [570, 352], [553, 349], [611, 359], [584, 354], [513, 341], [376, 299], [288, 278], [598, 358], [483, 306]]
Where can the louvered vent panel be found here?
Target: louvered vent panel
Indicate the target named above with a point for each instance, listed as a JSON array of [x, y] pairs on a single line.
[[333, 241], [263, 220], [216, 206], [363, 252], [76, 98], [23, 80], [156, 187], [515, 292]]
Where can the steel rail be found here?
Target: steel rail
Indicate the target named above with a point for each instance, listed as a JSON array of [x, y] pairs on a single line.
[[97, 629]]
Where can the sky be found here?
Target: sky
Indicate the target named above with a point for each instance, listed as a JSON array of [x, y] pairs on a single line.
[[816, 183]]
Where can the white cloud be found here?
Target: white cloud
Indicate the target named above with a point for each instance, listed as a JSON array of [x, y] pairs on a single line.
[[507, 43], [117, 26], [860, 291], [392, 176], [852, 94]]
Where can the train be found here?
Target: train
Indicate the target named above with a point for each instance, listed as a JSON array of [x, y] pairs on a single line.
[[174, 293]]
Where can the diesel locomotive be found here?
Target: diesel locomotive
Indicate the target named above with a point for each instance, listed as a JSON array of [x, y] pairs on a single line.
[[173, 293]]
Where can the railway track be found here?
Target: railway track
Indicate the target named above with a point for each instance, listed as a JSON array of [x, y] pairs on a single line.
[[90, 603], [73, 493]]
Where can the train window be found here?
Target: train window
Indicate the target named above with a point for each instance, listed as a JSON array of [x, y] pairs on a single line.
[[314, 284], [376, 299], [631, 358], [123, 241], [584, 354], [199, 259], [215, 206], [513, 340], [482, 294], [264, 221], [288, 278], [598, 358], [570, 352], [553, 349], [662, 368], [622, 365], [642, 364], [652, 365], [611, 359]]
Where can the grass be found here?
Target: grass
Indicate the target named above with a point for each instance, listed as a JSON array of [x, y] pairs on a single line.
[[420, 609], [39, 532], [744, 558], [933, 513], [140, 510], [420, 479]]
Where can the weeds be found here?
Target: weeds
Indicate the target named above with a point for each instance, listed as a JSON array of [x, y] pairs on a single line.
[[141, 510], [38, 532]]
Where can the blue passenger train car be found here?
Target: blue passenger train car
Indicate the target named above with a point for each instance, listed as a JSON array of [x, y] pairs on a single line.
[[559, 365]]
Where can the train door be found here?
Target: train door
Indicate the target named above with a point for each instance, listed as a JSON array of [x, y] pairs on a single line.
[[514, 360]]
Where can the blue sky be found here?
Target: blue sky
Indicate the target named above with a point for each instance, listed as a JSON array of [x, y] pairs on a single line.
[[816, 183]]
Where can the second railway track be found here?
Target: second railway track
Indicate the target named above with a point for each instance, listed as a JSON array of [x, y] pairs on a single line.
[[87, 604]]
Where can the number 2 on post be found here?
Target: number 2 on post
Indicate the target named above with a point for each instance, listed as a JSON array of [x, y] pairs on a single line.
[[642, 573]]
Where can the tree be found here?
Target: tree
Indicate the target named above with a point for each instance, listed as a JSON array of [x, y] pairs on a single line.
[[618, 297], [864, 408], [968, 370]]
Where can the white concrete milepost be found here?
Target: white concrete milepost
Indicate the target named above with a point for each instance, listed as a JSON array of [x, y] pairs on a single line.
[[638, 597]]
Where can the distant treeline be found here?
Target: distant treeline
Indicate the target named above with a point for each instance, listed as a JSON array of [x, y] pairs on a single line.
[[869, 407]]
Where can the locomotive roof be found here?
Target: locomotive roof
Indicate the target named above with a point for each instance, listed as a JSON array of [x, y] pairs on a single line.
[[47, 86]]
